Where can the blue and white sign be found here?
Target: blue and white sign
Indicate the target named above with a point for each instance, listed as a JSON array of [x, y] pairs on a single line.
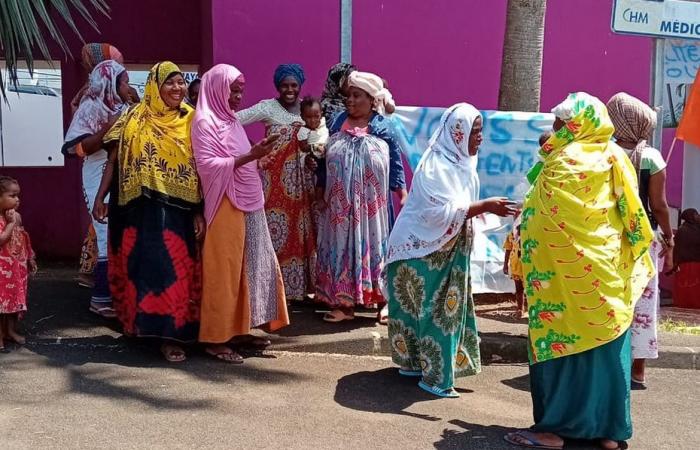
[[508, 151], [661, 18]]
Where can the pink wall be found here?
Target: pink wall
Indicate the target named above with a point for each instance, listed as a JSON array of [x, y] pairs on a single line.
[[432, 54], [256, 36]]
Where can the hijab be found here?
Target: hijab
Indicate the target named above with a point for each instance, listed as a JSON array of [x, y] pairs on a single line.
[[154, 151], [332, 99], [94, 53], [634, 122], [100, 101], [218, 138], [445, 184]]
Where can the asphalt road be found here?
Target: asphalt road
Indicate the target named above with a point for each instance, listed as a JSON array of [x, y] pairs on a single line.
[[82, 393]]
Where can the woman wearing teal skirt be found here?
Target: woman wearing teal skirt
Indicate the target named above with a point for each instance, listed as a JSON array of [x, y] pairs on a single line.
[[432, 326], [585, 240]]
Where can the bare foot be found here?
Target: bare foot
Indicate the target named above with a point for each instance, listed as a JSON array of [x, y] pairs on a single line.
[[609, 444], [16, 337], [526, 438]]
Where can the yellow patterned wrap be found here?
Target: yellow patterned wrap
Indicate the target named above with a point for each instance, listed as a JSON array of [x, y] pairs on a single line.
[[154, 150], [584, 238]]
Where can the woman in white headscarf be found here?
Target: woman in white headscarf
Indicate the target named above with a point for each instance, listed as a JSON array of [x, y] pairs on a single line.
[[102, 102], [432, 327]]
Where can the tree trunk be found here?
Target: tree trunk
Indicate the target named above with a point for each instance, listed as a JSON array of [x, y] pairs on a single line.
[[521, 66]]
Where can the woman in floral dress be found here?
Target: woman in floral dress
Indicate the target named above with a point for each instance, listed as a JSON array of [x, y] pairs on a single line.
[[634, 124], [432, 326], [586, 262], [288, 186]]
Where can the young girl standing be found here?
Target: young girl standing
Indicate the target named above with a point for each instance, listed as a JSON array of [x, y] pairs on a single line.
[[16, 261]]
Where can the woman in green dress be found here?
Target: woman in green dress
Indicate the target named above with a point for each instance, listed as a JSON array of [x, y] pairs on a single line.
[[432, 326]]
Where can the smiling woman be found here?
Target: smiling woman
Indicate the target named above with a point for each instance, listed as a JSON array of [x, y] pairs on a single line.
[[154, 215], [287, 185]]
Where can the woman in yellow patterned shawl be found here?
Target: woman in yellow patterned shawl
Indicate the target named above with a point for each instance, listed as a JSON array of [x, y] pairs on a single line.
[[155, 216], [584, 237]]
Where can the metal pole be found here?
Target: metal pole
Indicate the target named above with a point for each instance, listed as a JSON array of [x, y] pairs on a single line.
[[657, 90], [346, 31]]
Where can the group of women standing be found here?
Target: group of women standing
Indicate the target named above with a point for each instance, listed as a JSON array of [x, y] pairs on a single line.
[[208, 234]]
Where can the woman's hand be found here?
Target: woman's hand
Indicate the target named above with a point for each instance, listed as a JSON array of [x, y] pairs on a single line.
[[500, 206], [310, 163], [403, 196], [264, 147], [200, 227], [100, 211], [667, 254]]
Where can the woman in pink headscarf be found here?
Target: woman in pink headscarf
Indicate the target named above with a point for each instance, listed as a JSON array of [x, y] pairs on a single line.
[[242, 285]]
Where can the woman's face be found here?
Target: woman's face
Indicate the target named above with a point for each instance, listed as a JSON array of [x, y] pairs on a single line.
[[476, 136], [289, 91], [123, 88], [234, 99], [558, 124], [173, 91], [358, 103]]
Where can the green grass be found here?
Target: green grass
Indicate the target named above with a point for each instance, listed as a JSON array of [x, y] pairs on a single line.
[[674, 326]]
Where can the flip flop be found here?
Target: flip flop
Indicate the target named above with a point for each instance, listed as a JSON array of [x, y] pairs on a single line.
[[524, 438], [621, 445], [335, 318], [638, 385], [172, 353], [230, 357], [105, 311], [4, 350], [444, 393], [410, 373]]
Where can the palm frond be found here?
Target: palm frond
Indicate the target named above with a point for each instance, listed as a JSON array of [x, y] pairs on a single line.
[[24, 24]]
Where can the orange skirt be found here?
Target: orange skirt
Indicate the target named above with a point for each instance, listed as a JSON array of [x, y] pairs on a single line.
[[242, 282]]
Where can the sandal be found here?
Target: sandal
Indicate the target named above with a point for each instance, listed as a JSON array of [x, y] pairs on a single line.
[[383, 316], [444, 393], [4, 350], [524, 438], [620, 445], [409, 372], [638, 385], [227, 356], [336, 316], [172, 353], [104, 311]]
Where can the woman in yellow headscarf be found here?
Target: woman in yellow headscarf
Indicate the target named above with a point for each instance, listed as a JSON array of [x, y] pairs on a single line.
[[585, 240], [155, 215]]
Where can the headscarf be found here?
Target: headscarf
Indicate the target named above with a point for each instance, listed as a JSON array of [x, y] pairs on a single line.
[[584, 236], [689, 215], [374, 86], [100, 101], [634, 121], [687, 238], [444, 186], [332, 99], [155, 155], [289, 70], [218, 138], [92, 54]]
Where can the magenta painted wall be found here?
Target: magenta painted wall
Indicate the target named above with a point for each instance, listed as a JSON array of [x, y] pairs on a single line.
[[256, 36], [432, 53]]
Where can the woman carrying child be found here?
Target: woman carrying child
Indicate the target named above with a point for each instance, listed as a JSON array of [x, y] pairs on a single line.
[[287, 185]]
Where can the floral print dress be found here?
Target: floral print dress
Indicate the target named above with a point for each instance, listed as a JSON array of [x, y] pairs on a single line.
[[432, 325], [289, 190], [14, 272]]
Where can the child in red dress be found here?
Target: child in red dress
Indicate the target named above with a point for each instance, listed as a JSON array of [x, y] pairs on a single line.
[[16, 262]]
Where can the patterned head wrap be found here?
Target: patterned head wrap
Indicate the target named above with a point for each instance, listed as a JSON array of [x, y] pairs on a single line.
[[94, 53], [634, 122], [332, 99], [289, 70]]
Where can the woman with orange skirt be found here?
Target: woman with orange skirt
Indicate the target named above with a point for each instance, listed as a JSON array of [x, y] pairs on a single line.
[[242, 281]]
